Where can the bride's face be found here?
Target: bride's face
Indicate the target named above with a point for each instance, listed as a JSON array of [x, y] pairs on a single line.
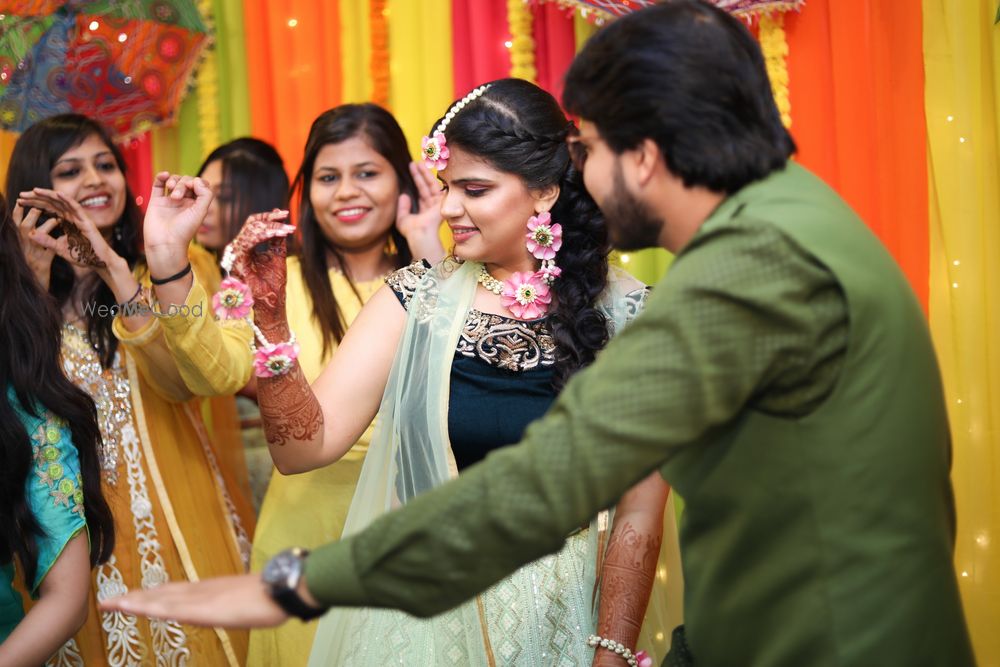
[[488, 210]]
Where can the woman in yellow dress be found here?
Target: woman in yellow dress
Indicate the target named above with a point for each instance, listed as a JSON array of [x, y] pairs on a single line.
[[246, 175], [144, 355], [366, 210]]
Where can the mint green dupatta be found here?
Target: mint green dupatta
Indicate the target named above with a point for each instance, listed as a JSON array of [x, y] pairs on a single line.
[[541, 614]]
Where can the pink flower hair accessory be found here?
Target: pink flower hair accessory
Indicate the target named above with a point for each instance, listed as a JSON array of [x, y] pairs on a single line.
[[233, 301], [526, 295], [435, 147], [435, 150]]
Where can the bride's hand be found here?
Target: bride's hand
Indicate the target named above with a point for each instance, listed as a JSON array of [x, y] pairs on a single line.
[[258, 254]]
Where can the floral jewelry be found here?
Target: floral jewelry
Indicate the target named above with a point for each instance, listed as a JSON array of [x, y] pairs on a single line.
[[435, 150], [435, 147], [273, 359], [233, 300], [526, 296], [544, 240]]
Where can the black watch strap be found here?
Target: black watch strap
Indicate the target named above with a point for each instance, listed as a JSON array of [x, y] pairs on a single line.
[[289, 600]]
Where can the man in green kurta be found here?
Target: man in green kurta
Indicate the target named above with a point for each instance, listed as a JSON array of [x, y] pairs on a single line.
[[781, 378]]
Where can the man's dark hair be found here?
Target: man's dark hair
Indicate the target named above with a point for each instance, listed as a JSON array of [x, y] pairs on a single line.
[[690, 77]]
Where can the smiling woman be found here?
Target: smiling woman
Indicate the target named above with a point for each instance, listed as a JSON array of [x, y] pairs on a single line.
[[365, 211]]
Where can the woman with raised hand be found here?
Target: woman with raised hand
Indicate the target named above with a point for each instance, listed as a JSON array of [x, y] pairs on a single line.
[[138, 336], [54, 523], [247, 176], [365, 211]]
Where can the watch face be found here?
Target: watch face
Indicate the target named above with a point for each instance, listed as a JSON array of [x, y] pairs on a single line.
[[284, 569]]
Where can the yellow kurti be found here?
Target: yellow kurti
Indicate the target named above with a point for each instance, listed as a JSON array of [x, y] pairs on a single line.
[[176, 514], [219, 412], [306, 510]]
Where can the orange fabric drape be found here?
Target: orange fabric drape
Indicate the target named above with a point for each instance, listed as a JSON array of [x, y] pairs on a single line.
[[293, 64], [857, 88]]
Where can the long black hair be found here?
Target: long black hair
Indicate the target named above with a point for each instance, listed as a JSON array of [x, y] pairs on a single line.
[[690, 77], [378, 127], [253, 181], [30, 328], [31, 162], [519, 128]]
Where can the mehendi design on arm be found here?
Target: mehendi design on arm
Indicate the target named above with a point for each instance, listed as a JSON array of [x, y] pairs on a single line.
[[626, 581], [288, 408]]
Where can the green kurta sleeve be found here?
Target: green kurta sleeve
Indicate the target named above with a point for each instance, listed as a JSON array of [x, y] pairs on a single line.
[[743, 315]]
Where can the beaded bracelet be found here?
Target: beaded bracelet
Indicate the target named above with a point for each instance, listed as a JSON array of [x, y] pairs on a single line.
[[633, 660]]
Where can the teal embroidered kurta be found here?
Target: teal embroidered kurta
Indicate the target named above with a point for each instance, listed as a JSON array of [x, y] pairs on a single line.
[[783, 380], [55, 496]]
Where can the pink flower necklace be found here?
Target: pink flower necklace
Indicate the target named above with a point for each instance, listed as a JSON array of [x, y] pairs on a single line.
[[527, 295]]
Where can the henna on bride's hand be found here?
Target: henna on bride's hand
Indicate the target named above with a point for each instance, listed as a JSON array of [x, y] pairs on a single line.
[[79, 247], [288, 408], [266, 276], [629, 568]]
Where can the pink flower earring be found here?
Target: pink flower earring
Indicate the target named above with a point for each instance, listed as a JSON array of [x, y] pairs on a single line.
[[544, 241]]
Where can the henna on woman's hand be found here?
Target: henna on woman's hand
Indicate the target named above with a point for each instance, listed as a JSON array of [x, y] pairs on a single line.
[[627, 579], [79, 247], [288, 408]]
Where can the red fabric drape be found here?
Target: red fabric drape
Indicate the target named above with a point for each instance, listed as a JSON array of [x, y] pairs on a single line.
[[138, 154], [479, 30], [857, 94], [555, 45]]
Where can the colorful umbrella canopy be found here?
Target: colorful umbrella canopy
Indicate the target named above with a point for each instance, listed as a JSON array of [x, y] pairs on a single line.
[[125, 63], [605, 9]]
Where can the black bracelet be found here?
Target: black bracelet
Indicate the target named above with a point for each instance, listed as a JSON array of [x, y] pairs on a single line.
[[121, 306], [177, 276]]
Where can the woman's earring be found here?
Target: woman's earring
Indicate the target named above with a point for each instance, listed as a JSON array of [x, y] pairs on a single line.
[[544, 240]]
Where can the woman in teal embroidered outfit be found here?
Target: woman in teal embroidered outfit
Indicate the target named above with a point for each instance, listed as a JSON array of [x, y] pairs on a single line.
[[50, 494]]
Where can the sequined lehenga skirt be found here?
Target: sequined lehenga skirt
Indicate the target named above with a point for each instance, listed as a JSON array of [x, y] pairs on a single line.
[[540, 615]]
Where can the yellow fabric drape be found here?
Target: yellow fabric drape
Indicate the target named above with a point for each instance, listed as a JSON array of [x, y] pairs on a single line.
[[356, 45], [522, 45], [962, 88], [7, 141], [420, 64]]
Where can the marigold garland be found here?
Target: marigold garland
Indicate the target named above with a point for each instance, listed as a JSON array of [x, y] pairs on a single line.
[[207, 86], [775, 48], [379, 64], [522, 49]]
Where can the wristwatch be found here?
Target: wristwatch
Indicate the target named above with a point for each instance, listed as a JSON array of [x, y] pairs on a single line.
[[282, 575]]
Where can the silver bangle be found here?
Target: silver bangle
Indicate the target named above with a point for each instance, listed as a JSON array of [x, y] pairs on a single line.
[[612, 645]]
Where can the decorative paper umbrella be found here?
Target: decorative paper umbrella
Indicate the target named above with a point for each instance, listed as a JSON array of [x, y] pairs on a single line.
[[600, 10], [123, 62]]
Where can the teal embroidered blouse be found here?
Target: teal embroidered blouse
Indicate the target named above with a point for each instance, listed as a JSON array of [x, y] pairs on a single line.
[[55, 496]]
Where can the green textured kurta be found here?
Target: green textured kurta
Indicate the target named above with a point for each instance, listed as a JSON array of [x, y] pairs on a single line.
[[782, 379]]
